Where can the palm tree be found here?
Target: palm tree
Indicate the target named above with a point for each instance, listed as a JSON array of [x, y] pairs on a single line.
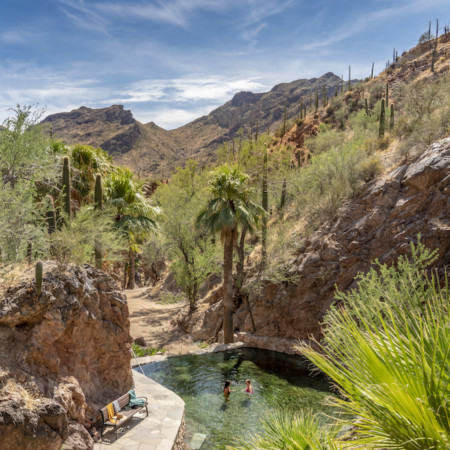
[[134, 213], [229, 209]]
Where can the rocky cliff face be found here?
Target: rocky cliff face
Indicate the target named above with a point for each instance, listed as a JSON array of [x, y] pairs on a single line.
[[64, 353], [379, 223], [113, 129]]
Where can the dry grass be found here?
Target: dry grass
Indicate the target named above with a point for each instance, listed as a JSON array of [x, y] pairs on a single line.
[[28, 397]]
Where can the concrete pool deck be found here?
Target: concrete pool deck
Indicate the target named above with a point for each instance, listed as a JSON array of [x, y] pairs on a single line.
[[163, 429]]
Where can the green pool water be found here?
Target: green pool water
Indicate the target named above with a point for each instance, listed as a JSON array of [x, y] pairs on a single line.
[[280, 382]]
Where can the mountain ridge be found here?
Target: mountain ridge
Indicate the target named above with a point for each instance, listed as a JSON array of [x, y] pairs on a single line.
[[153, 151]]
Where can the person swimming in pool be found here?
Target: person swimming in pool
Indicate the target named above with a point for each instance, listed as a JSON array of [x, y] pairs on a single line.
[[249, 388], [227, 390]]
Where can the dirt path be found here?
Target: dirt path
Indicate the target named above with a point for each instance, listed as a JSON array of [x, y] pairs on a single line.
[[150, 319]]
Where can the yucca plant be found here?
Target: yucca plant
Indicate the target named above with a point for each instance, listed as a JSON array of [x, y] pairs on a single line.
[[303, 431], [387, 346]]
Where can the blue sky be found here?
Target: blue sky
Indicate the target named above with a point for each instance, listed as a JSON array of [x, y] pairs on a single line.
[[171, 61]]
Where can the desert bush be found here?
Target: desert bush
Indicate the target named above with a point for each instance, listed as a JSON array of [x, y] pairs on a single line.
[[426, 112], [340, 117], [331, 177], [75, 241], [376, 92], [327, 139], [370, 168]]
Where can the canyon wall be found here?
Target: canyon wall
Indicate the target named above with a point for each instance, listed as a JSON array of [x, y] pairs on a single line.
[[380, 222], [64, 353]]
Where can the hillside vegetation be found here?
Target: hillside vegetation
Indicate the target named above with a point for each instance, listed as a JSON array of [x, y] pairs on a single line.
[[249, 217]]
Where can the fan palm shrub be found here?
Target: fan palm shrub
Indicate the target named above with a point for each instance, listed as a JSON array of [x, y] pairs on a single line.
[[387, 346], [303, 431], [134, 214]]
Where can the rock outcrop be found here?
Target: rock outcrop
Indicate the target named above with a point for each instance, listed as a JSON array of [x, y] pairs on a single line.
[[113, 129], [380, 223], [64, 353]]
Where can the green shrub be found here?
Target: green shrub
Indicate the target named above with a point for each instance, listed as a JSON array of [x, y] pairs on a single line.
[[387, 348], [169, 298], [327, 139], [301, 431], [145, 351]]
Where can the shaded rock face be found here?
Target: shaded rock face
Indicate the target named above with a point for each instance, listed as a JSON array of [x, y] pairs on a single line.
[[113, 129], [379, 223], [67, 351]]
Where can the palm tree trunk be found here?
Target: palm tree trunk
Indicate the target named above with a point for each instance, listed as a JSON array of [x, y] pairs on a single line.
[[240, 263], [228, 304], [130, 269]]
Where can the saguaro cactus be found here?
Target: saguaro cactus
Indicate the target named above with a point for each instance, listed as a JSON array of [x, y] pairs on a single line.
[[51, 215], [39, 272], [67, 187], [98, 198], [366, 106], [387, 95], [391, 119], [382, 119], [98, 193]]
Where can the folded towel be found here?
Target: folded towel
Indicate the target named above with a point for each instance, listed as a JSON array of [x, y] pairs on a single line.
[[111, 416], [134, 401], [116, 406], [114, 418]]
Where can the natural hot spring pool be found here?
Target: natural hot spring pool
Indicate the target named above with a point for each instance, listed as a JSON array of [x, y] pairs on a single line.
[[280, 382]]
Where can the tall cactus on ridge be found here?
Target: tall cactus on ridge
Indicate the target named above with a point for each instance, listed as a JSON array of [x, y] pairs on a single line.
[[391, 118], [366, 105], [382, 119], [67, 187], [387, 95]]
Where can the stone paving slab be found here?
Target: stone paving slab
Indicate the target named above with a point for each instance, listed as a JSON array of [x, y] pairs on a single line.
[[159, 430]]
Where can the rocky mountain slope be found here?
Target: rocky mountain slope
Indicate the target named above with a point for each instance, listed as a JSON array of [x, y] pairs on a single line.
[[151, 150], [65, 353], [379, 223]]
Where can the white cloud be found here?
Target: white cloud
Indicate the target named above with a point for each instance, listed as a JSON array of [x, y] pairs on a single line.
[[195, 89], [170, 118]]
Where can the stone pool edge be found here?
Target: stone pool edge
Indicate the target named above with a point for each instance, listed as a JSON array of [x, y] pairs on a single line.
[[164, 427]]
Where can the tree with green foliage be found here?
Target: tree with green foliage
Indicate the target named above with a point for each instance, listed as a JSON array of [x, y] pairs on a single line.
[[227, 211], [28, 170], [193, 254], [134, 214]]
